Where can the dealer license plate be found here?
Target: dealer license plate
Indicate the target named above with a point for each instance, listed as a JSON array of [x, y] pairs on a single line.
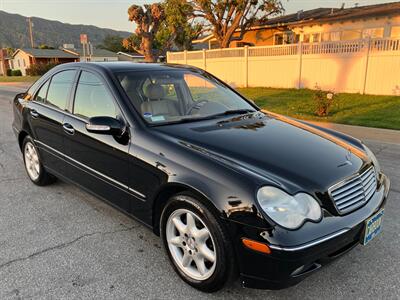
[[373, 226]]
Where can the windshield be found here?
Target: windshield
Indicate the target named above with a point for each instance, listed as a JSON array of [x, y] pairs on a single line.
[[163, 97]]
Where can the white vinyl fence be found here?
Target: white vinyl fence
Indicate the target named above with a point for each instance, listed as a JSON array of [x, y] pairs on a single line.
[[370, 66]]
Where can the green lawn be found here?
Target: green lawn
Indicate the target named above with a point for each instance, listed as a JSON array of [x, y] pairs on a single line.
[[353, 109], [19, 78]]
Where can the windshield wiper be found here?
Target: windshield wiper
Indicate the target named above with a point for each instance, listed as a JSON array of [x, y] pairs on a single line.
[[183, 120], [209, 117], [233, 112]]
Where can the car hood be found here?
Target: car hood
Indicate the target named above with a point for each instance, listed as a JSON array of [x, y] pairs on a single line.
[[288, 152]]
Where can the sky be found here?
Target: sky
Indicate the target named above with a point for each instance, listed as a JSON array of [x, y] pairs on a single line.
[[113, 13]]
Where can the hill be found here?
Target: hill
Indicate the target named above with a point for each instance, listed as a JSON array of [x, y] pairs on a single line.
[[14, 32]]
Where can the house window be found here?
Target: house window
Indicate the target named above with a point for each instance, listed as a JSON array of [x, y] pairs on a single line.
[[316, 37], [325, 37], [297, 38], [19, 63], [24, 62], [286, 38], [306, 38], [348, 35], [278, 39], [395, 32], [242, 44], [335, 36], [373, 33]]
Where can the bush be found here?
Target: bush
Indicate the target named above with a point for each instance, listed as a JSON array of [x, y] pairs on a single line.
[[16, 73], [39, 69], [323, 101], [8, 72]]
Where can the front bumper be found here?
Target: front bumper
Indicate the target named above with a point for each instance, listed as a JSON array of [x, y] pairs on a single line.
[[287, 265]]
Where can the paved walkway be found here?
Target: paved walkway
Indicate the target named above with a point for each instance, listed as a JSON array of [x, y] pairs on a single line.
[[21, 85], [365, 133]]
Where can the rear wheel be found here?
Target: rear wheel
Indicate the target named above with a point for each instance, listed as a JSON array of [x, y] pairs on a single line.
[[197, 243], [37, 174]]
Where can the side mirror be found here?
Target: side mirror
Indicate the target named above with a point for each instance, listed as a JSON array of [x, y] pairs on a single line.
[[105, 125]]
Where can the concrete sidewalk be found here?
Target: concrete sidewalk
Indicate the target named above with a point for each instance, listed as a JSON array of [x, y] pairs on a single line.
[[22, 85], [365, 133]]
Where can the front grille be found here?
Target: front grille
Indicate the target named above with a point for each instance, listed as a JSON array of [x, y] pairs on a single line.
[[354, 192]]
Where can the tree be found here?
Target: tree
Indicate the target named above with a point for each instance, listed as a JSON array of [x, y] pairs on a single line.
[[224, 18], [44, 46], [10, 51], [112, 43], [180, 25], [162, 42], [148, 20]]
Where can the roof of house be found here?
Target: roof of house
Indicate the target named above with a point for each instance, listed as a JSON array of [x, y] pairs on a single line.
[[96, 52], [130, 54], [46, 53], [325, 15]]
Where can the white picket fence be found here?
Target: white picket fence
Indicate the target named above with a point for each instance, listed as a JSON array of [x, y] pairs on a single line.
[[370, 66]]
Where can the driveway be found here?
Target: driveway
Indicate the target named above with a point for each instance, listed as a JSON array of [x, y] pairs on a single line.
[[60, 242]]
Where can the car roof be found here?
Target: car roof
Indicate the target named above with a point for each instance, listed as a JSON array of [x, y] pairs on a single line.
[[127, 66]]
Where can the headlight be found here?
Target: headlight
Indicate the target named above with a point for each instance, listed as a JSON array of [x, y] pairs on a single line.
[[286, 210], [374, 160]]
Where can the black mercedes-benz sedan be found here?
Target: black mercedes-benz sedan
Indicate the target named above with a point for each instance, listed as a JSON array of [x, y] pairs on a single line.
[[232, 190]]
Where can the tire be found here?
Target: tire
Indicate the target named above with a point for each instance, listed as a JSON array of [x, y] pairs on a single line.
[[200, 248], [33, 165]]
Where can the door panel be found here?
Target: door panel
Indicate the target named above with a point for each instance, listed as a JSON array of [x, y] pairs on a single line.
[[46, 124], [46, 117], [99, 162]]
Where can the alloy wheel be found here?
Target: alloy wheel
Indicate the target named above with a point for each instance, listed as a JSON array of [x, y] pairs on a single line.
[[191, 244], [32, 163]]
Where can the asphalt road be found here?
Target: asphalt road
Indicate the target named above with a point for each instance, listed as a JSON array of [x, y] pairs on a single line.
[[60, 242]]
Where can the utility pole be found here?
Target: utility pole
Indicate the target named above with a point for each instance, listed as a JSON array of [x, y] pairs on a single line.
[[31, 31]]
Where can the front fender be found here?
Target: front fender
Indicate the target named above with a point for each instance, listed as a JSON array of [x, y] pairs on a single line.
[[173, 164]]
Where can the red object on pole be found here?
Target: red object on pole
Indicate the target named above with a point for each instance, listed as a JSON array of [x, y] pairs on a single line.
[[84, 38]]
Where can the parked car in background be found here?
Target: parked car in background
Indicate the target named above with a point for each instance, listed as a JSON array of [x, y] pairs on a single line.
[[231, 190]]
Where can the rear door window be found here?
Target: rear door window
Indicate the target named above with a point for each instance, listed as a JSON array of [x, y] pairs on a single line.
[[60, 88], [42, 94]]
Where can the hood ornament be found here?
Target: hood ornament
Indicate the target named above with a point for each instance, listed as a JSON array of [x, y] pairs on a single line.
[[348, 160]]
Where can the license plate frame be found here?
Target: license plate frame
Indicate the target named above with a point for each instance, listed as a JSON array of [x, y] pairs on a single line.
[[372, 227]]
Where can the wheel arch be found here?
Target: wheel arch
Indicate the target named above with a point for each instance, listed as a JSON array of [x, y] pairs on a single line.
[[171, 189], [21, 136]]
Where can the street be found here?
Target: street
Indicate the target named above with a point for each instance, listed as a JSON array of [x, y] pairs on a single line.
[[60, 242]]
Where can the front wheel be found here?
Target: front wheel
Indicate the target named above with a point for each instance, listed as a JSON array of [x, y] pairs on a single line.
[[197, 244]]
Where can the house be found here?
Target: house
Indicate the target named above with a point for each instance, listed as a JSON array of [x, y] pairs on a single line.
[[93, 55], [4, 62], [22, 59], [320, 25], [134, 57]]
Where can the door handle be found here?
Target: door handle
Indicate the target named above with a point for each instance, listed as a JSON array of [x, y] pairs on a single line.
[[68, 128], [34, 114]]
